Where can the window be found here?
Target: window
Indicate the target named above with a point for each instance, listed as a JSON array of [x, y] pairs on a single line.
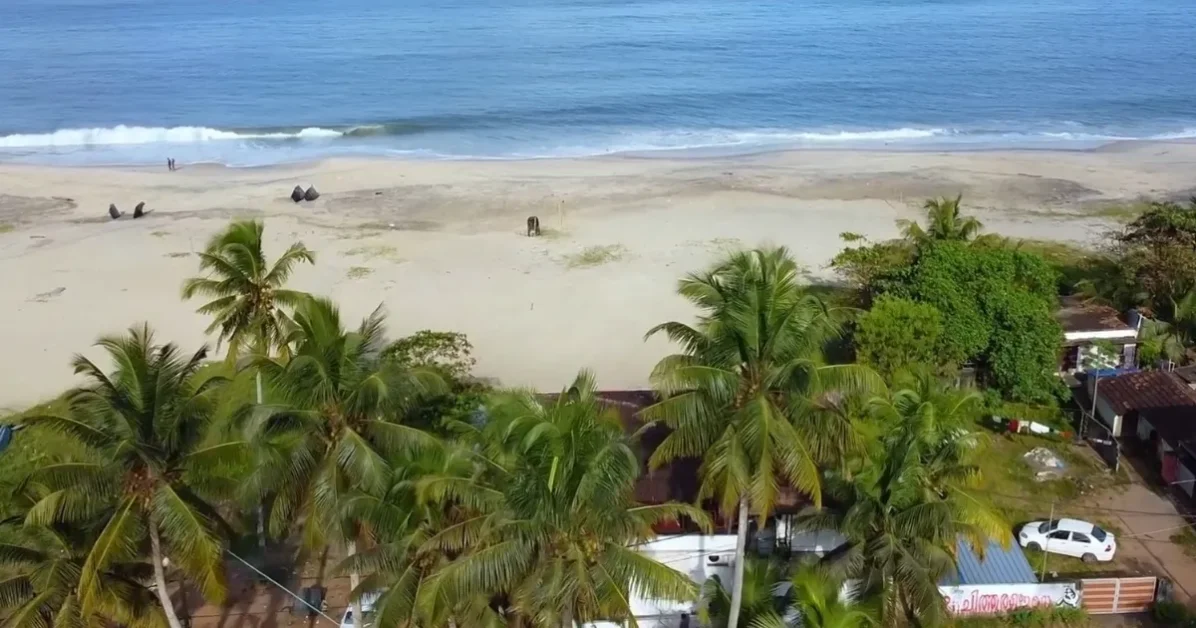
[[1099, 534], [1058, 535], [1047, 526], [1080, 538]]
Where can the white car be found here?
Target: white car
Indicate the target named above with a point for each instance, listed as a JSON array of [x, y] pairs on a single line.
[[1070, 537], [367, 606]]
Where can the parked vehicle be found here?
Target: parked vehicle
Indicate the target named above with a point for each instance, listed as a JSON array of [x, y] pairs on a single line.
[[1070, 537], [367, 608]]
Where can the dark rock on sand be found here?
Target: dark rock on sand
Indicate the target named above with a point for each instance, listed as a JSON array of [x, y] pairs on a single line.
[[297, 193], [311, 194], [113, 211], [139, 211]]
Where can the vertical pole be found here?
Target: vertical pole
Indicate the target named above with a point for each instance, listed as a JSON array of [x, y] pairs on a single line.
[[1046, 544], [261, 505]]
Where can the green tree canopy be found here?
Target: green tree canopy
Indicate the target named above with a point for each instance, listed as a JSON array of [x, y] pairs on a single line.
[[898, 333], [997, 306], [249, 306], [909, 504], [1158, 251], [743, 393], [152, 465], [944, 222], [544, 523]]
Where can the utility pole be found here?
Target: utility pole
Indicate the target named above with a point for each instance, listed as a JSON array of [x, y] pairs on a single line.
[[1047, 542]]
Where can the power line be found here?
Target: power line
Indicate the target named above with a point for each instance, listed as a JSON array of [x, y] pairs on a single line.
[[289, 592]]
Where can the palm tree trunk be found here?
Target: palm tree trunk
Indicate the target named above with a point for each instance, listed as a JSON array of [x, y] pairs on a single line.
[[567, 617], [740, 558], [261, 505], [160, 577], [354, 580]]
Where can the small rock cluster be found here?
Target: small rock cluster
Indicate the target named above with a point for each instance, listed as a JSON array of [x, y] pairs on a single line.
[[298, 194], [138, 211]]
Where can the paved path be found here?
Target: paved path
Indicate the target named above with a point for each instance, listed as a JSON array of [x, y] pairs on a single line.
[[1147, 521]]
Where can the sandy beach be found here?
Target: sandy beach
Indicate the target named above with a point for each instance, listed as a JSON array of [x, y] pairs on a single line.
[[441, 244]]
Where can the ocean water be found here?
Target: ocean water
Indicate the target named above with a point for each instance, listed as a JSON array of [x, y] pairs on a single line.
[[250, 82]]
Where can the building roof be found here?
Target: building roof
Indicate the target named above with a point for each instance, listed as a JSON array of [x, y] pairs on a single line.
[[999, 566], [1146, 390], [678, 481], [1077, 316]]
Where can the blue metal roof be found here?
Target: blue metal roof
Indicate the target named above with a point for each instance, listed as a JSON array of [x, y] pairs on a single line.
[[1000, 566]]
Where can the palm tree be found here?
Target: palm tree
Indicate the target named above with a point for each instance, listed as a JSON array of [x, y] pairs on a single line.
[[248, 303], [1175, 333], [817, 598], [249, 307], [943, 222], [906, 509], [336, 426], [555, 516], [760, 595], [42, 568], [150, 461], [743, 394]]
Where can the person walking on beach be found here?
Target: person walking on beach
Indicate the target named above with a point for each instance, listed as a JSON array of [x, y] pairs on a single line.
[[170, 164]]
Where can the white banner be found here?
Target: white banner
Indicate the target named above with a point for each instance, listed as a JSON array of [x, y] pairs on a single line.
[[996, 599]]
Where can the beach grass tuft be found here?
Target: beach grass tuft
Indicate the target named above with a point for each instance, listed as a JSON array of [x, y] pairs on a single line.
[[596, 256], [376, 251], [178, 254], [6, 227], [159, 234], [358, 272]]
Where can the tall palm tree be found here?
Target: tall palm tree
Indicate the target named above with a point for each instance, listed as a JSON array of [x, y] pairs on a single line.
[[943, 222], [151, 461], [556, 515], [336, 425], [249, 306], [248, 303], [904, 512], [743, 394], [41, 568], [817, 598]]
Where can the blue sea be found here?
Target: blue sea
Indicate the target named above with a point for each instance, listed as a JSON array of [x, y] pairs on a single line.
[[252, 82]]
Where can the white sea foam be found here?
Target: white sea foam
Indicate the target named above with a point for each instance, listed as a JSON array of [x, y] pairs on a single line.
[[128, 135]]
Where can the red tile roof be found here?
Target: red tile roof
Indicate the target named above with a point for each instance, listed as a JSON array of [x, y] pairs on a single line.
[[1145, 390]]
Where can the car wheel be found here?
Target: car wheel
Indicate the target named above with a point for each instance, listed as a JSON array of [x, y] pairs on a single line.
[[1033, 545], [1088, 558]]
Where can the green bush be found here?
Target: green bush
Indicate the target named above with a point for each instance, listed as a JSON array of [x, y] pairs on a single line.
[[897, 333], [1170, 613]]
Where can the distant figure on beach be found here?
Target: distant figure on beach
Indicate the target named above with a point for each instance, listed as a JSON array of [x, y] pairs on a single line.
[[170, 164], [533, 226]]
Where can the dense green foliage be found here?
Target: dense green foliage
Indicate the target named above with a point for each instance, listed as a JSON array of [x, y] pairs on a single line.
[[149, 465], [475, 507], [897, 333]]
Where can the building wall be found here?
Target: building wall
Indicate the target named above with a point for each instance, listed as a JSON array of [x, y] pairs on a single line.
[[692, 554], [1186, 479]]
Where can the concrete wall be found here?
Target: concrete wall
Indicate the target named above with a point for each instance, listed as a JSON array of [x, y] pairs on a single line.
[[1104, 412]]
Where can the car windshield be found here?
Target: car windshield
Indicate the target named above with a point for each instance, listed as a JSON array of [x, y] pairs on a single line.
[[1047, 526], [1099, 534]]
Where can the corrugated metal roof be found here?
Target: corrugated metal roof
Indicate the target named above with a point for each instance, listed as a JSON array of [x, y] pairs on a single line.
[[1000, 566]]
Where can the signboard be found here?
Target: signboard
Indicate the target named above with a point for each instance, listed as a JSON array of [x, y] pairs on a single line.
[[996, 599]]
